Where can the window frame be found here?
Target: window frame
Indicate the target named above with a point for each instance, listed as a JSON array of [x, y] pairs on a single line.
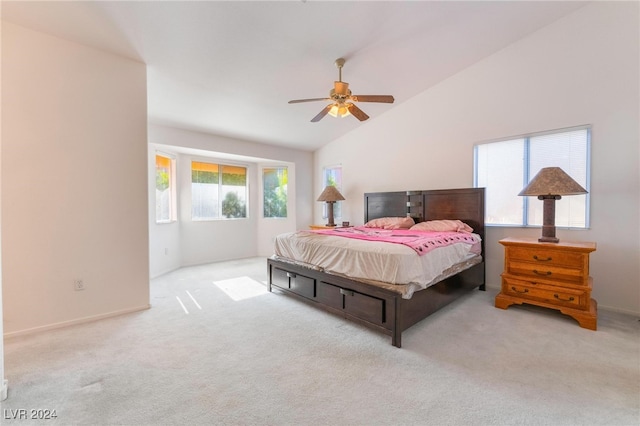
[[262, 174], [219, 184], [337, 206], [173, 205], [527, 175]]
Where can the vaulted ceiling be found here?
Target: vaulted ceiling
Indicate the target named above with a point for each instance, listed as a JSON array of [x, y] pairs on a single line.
[[229, 68]]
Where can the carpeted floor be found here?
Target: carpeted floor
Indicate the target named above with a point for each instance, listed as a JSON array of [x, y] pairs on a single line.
[[216, 348]]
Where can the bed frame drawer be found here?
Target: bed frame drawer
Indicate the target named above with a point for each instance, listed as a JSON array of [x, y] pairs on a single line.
[[280, 278], [304, 286], [329, 295], [357, 304], [366, 307], [299, 284]]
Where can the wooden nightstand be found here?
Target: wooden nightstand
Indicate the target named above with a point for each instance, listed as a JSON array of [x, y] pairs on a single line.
[[553, 275]]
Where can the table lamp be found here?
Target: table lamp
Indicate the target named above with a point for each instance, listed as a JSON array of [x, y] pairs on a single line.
[[549, 185], [330, 195]]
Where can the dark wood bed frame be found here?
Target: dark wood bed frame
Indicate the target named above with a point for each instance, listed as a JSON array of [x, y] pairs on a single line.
[[375, 307]]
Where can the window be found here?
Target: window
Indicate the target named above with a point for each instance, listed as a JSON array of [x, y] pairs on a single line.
[[505, 167], [165, 189], [218, 191], [274, 181], [332, 176]]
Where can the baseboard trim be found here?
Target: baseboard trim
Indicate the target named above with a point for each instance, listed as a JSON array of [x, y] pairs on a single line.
[[75, 322], [618, 310], [164, 272]]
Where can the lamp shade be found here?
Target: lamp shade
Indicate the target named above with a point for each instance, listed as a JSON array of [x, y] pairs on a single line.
[[330, 194], [552, 181]]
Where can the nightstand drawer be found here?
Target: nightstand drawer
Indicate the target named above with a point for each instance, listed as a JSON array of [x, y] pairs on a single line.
[[572, 298], [547, 257], [547, 271]]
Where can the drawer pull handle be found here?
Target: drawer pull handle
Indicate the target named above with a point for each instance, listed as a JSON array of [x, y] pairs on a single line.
[[535, 271], [570, 299], [346, 292], [526, 290], [291, 275], [541, 260]]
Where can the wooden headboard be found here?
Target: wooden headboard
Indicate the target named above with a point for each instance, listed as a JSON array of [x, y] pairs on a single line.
[[466, 204]]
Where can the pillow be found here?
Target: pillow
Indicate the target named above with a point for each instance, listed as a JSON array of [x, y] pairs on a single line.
[[391, 223], [443, 226]]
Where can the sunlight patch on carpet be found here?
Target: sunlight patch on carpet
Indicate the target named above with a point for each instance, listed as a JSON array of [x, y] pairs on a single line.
[[184, 308], [241, 288], [194, 300]]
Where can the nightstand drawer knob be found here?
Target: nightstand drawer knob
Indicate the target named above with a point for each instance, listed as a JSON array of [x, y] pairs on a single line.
[[541, 260], [526, 290], [570, 299], [535, 271]]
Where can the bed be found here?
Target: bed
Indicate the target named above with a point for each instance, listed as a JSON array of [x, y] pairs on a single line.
[[388, 307]]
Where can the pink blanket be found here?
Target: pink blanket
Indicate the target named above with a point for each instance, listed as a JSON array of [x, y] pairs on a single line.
[[420, 241]]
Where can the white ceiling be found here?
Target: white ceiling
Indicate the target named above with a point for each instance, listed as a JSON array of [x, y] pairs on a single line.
[[229, 68]]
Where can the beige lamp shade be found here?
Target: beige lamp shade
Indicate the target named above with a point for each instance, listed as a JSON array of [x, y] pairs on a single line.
[[330, 194], [552, 181]]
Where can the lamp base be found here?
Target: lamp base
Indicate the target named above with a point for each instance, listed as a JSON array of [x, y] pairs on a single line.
[[330, 204], [548, 240], [548, 218]]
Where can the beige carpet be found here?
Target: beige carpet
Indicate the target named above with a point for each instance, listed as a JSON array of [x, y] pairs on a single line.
[[217, 349]]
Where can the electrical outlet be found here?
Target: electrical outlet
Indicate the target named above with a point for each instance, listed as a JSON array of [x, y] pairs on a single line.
[[78, 285]]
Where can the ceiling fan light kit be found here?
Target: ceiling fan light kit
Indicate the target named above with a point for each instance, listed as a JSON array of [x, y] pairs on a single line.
[[340, 95], [339, 110]]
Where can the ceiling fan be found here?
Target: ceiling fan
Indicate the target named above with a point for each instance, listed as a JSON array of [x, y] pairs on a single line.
[[342, 99]]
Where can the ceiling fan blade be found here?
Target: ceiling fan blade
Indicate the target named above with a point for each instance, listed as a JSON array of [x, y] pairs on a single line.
[[321, 114], [297, 101], [357, 112], [387, 99]]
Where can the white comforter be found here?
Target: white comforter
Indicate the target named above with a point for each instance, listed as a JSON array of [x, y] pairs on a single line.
[[371, 260]]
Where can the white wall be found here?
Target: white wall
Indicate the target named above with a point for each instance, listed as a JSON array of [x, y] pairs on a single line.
[[190, 242], [582, 69], [74, 193], [211, 240]]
